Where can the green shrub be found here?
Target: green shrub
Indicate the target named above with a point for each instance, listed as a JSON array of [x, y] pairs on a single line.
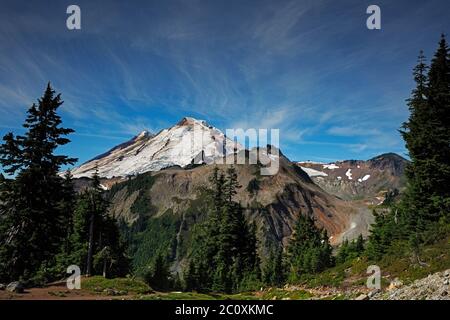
[[128, 285], [253, 186]]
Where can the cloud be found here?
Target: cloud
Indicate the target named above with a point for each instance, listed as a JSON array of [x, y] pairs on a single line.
[[351, 131], [308, 68]]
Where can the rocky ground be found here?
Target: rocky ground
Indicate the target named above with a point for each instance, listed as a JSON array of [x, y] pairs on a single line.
[[434, 287]]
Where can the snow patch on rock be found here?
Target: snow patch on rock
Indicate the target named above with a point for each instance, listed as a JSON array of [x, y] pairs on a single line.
[[313, 172], [365, 178], [330, 166]]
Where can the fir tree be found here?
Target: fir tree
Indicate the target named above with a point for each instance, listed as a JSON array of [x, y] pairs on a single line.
[[427, 137], [32, 227], [95, 242], [224, 258], [274, 273], [350, 250], [309, 250], [158, 276], [426, 200], [67, 206]]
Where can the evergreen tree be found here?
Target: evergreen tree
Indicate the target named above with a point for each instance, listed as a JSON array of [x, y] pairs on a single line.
[[67, 206], [30, 205], [158, 276], [224, 257], [384, 231], [426, 200], [274, 273], [359, 244], [350, 250], [309, 250], [95, 242], [427, 137]]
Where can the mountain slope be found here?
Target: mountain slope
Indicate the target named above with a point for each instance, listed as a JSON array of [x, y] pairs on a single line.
[[189, 140], [152, 203], [357, 179], [156, 194]]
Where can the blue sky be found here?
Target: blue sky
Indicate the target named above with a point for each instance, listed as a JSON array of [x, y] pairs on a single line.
[[312, 69]]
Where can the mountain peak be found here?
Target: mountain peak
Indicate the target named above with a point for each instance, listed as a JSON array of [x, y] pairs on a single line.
[[178, 145], [144, 133], [189, 121], [389, 155]]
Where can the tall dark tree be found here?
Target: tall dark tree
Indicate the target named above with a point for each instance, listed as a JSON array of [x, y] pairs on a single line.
[[350, 250], [95, 241], [97, 209], [32, 217], [427, 137], [158, 276], [426, 199], [67, 206], [309, 250], [274, 273], [225, 246]]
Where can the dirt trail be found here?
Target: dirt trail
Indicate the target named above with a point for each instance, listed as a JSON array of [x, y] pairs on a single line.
[[58, 292]]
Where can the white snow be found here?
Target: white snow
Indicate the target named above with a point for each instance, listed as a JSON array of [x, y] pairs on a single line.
[[176, 146], [310, 162], [313, 172], [330, 166], [365, 178], [349, 174]]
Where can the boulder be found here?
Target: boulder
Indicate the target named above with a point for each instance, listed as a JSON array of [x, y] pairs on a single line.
[[362, 297], [16, 287]]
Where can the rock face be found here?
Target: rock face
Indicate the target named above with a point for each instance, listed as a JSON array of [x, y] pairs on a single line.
[[372, 180], [16, 287], [433, 287]]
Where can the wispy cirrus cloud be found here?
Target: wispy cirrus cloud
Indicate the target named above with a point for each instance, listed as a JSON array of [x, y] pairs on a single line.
[[309, 68]]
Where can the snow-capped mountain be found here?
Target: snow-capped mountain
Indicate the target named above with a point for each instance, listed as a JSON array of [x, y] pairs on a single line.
[[189, 141]]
